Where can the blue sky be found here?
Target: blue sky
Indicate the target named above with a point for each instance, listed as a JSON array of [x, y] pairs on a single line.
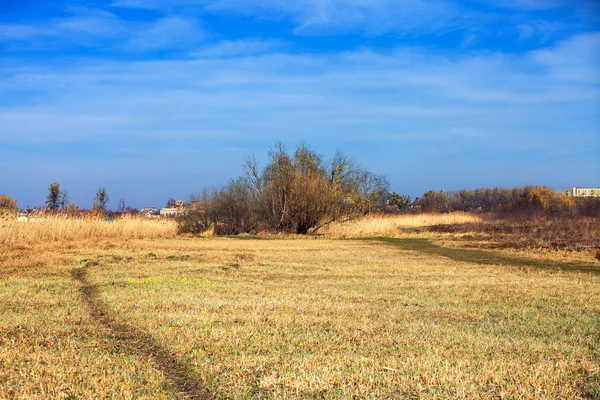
[[158, 98]]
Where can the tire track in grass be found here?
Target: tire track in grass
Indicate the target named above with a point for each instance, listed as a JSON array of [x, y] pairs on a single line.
[[178, 374]]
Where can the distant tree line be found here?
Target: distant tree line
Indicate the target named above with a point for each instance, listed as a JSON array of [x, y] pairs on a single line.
[[519, 201], [301, 191], [295, 192]]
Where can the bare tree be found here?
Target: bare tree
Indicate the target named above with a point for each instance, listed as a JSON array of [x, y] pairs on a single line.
[[367, 190]]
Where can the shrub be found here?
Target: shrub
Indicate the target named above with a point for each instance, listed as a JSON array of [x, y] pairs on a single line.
[[7, 205], [292, 193]]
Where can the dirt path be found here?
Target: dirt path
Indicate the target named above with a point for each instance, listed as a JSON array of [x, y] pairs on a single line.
[[142, 343]]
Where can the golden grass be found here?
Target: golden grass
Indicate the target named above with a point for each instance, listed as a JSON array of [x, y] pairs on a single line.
[[45, 229], [298, 318], [392, 225]]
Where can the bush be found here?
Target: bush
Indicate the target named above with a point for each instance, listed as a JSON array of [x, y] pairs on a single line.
[[8, 206], [193, 221], [292, 193]]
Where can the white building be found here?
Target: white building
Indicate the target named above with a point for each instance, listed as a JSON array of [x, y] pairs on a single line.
[[582, 192]]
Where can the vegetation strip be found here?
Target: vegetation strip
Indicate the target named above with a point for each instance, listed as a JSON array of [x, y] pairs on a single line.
[[483, 257], [178, 374]]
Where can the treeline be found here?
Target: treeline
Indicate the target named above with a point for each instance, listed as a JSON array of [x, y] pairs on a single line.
[[519, 202], [294, 192], [301, 191]]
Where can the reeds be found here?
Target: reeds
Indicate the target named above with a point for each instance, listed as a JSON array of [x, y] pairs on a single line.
[[393, 225], [60, 228]]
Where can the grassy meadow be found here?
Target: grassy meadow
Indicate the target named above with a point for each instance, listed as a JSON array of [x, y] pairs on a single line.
[[160, 316]]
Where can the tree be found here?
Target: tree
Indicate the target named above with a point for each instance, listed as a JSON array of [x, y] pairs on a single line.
[[63, 200], [54, 197], [403, 202], [368, 190], [433, 202], [295, 191], [101, 199]]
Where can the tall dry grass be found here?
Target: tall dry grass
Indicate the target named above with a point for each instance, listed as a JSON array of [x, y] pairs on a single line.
[[46, 229], [392, 225]]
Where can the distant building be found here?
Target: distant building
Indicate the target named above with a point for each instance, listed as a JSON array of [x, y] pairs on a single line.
[[171, 212], [149, 211], [582, 192]]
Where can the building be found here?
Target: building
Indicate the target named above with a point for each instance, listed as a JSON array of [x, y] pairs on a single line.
[[171, 212], [582, 192], [149, 211]]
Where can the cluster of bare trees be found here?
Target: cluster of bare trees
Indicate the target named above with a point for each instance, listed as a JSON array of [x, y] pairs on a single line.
[[294, 192]]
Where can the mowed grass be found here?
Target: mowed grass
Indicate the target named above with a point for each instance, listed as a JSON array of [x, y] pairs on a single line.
[[301, 318]]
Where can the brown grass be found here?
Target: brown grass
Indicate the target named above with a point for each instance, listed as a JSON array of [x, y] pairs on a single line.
[[312, 318], [393, 225], [44, 229], [567, 233]]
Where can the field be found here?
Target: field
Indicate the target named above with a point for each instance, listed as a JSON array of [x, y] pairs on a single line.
[[415, 316]]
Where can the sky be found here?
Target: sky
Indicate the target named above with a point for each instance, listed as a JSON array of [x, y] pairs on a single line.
[[154, 99]]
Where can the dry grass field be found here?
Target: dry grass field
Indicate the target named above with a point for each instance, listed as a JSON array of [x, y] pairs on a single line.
[[394, 225], [189, 317], [59, 228]]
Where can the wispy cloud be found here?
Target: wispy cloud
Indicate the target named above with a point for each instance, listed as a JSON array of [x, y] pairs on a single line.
[[540, 29], [166, 33], [97, 28], [576, 60], [530, 4], [347, 94], [238, 48], [20, 32], [179, 86], [313, 17]]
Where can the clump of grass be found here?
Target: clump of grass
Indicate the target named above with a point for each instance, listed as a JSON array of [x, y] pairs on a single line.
[[394, 225]]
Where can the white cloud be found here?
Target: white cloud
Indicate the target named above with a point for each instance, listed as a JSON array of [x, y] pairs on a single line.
[[576, 59]]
